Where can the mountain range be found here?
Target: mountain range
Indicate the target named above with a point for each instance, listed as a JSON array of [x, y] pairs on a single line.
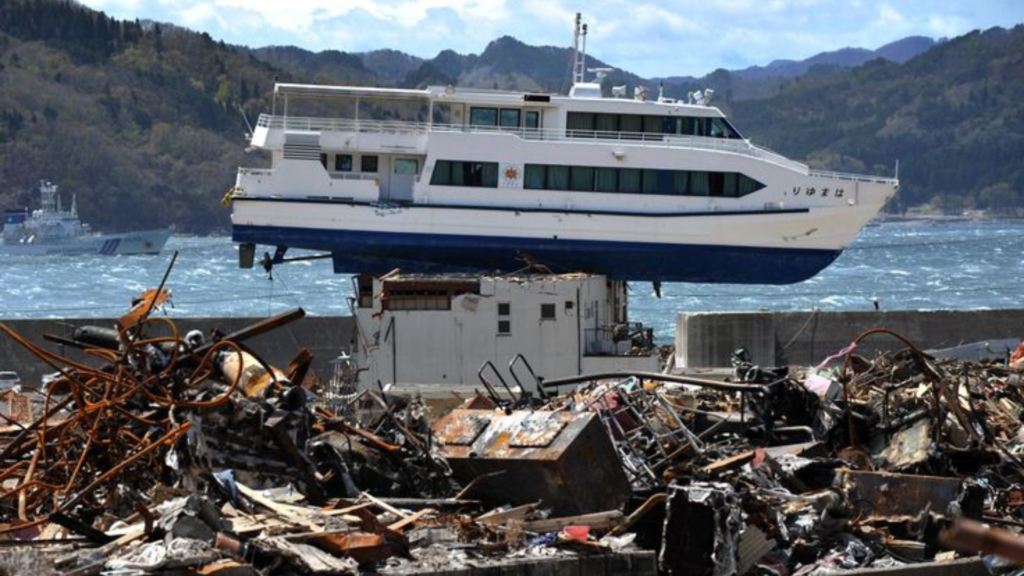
[[146, 121]]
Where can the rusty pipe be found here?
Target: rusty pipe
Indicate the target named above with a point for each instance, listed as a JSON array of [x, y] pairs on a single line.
[[972, 536]]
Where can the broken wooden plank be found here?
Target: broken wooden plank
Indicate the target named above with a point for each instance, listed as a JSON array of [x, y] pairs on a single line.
[[596, 520], [282, 510]]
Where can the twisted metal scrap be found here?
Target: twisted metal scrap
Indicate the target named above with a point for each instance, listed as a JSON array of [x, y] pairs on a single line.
[[115, 422]]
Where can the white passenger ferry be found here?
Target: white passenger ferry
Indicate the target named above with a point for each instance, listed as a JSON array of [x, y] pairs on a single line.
[[450, 179]]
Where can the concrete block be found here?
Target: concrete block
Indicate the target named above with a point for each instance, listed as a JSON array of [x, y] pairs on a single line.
[[707, 339]]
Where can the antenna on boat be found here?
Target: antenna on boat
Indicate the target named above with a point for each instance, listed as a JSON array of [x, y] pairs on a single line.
[[246, 119], [578, 58]]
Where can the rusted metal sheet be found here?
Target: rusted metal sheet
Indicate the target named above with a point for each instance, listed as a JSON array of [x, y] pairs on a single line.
[[882, 494], [564, 459]]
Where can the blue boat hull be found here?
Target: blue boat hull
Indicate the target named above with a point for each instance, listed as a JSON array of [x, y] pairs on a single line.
[[378, 253]]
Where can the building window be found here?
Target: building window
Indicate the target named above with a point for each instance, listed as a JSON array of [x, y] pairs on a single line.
[[368, 164], [547, 311], [504, 320], [343, 163]]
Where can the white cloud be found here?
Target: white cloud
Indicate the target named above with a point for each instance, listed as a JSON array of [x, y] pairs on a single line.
[[649, 37]]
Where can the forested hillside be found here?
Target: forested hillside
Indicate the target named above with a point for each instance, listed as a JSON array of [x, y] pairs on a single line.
[[145, 121], [953, 116]]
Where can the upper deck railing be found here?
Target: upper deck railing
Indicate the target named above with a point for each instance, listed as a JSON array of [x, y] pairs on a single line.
[[631, 139]]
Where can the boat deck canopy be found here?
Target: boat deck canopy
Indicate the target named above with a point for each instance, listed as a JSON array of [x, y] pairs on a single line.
[[318, 91]]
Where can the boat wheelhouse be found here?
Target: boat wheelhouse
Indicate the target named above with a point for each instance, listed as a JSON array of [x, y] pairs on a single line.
[[451, 179]]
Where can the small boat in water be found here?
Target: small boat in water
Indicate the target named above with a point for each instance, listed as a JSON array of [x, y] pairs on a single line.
[[51, 230]]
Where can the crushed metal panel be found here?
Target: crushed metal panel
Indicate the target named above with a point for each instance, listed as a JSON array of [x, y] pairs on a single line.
[[910, 446], [702, 530], [564, 459], [881, 494]]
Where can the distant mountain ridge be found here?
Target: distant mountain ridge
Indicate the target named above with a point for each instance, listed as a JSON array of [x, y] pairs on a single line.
[[899, 51], [508, 63]]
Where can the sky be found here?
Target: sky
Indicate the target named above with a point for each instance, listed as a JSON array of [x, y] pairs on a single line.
[[652, 39]]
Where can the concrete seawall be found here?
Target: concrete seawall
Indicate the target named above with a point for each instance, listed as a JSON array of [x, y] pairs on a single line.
[[707, 339], [703, 339], [326, 336]]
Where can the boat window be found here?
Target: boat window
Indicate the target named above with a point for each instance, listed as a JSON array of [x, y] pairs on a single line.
[[688, 126], [406, 166], [680, 180], [716, 183], [489, 171], [457, 173], [606, 123], [534, 177], [580, 125], [582, 178], [629, 180], [700, 184], [652, 124], [533, 119], [343, 163], [657, 182], [558, 178], [632, 123], [606, 180], [720, 128], [639, 181], [323, 160], [509, 118], [483, 116], [747, 185], [368, 164]]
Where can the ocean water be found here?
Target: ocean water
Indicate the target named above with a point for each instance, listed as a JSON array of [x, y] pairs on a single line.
[[921, 265]]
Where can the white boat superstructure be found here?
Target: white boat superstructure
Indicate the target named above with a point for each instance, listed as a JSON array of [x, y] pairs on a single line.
[[456, 179]]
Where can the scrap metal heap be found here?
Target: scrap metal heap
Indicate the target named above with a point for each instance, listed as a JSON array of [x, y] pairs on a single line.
[[159, 451]]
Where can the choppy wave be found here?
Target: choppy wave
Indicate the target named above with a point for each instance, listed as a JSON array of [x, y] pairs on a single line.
[[909, 265]]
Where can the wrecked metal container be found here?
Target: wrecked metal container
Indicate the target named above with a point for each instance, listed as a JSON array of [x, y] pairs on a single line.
[[563, 459]]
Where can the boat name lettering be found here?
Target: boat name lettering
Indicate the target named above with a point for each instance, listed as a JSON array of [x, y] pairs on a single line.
[[812, 191]]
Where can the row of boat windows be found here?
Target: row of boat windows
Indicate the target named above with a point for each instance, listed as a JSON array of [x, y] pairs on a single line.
[[591, 179], [343, 162], [588, 124], [639, 181], [503, 117]]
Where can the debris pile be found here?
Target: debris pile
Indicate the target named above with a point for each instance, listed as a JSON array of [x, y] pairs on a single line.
[[160, 451], [157, 451], [854, 464]]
